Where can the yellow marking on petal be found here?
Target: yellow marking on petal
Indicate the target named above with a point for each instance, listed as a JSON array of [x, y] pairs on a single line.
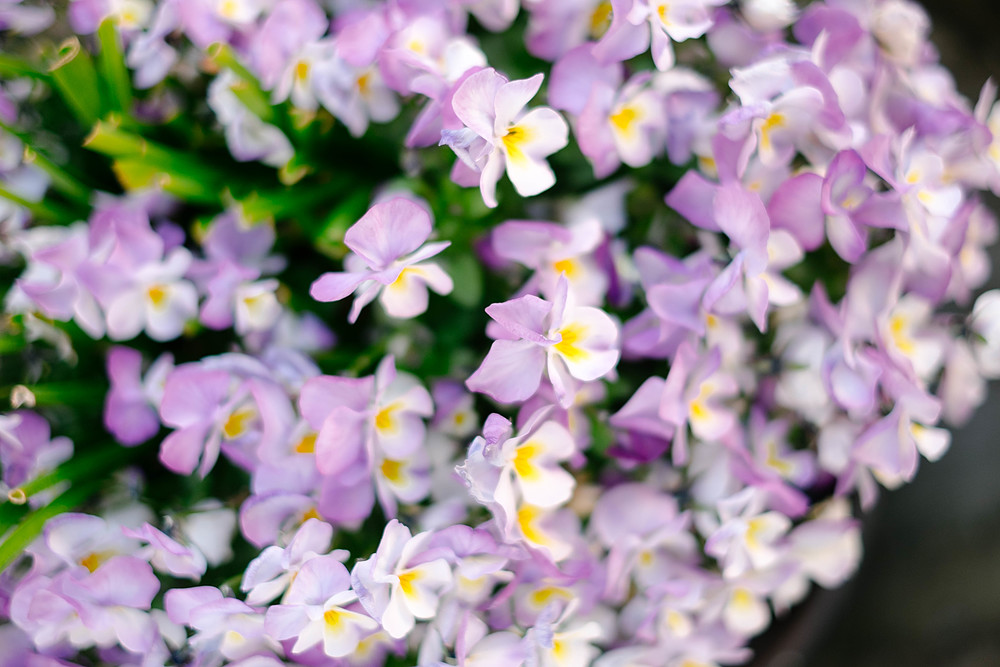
[[917, 430], [850, 202], [237, 423], [754, 528], [92, 561], [708, 165], [559, 649], [417, 47], [333, 618], [128, 18], [742, 598], [770, 123], [364, 83], [568, 346], [898, 330], [459, 418], [526, 517], [698, 409], [773, 461], [514, 140], [624, 118], [546, 594], [925, 197], [301, 70], [401, 280], [256, 302], [311, 513], [661, 12], [229, 9], [407, 582], [678, 623], [523, 461], [392, 470], [645, 558], [913, 177], [233, 637], [568, 266], [600, 20], [307, 445], [157, 295], [711, 321], [384, 421]]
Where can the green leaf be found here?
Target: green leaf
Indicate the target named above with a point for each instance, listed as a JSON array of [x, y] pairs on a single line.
[[40, 210], [114, 73], [14, 67], [31, 527], [76, 82], [141, 174], [59, 179]]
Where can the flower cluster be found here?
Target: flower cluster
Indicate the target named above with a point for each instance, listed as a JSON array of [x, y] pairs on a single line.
[[613, 412]]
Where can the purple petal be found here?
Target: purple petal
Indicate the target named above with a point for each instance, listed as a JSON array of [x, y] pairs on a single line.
[[511, 371], [524, 317], [795, 206], [388, 231], [692, 197], [336, 285]]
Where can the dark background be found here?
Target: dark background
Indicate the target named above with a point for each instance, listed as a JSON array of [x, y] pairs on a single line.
[[928, 591]]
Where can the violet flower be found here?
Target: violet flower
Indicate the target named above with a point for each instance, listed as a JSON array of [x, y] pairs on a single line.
[[388, 262], [574, 343], [498, 135]]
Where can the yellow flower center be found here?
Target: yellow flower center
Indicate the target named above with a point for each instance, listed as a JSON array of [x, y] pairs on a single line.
[[307, 445], [514, 140], [523, 460], [392, 470], [600, 20], [157, 295], [623, 119], [568, 346]]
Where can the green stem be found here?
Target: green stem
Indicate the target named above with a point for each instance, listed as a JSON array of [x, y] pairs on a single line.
[[115, 74], [76, 80], [31, 527], [11, 66], [39, 209], [61, 180], [61, 393]]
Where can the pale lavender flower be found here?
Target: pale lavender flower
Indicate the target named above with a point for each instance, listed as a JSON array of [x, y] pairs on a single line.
[[396, 585], [747, 537], [270, 574], [694, 394], [553, 250], [168, 555], [644, 24], [223, 626], [390, 249], [316, 610], [625, 124], [27, 449], [248, 137], [24, 19], [574, 343], [498, 135], [130, 407]]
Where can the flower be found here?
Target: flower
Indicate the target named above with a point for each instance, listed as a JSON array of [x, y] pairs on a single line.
[[388, 262], [498, 135]]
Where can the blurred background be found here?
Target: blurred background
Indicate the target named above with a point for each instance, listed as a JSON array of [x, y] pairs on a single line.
[[928, 591]]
